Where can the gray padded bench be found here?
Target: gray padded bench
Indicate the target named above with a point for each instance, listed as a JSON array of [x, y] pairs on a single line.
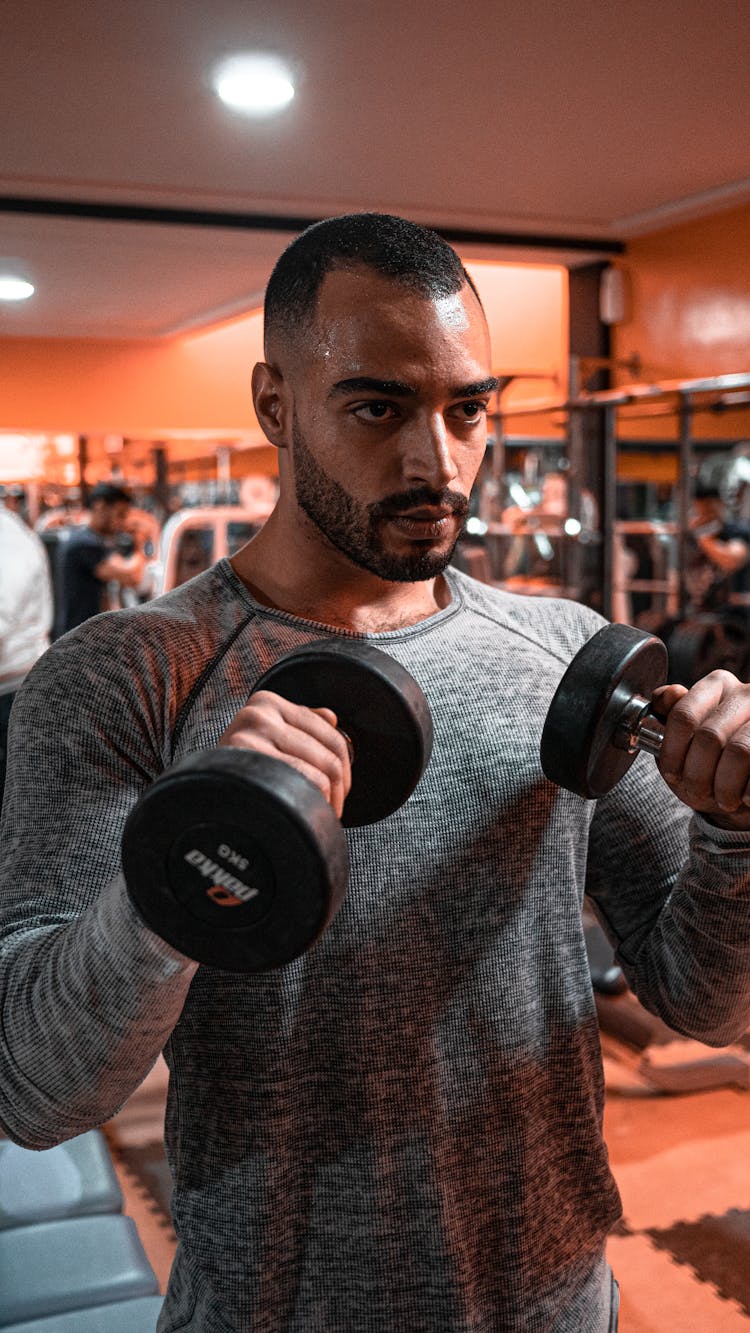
[[53, 1267], [73, 1179], [138, 1316]]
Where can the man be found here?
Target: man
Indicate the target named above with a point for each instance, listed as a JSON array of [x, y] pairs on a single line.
[[87, 561], [402, 1129], [719, 550], [25, 612]]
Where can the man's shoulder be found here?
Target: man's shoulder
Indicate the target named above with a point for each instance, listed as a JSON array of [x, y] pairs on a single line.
[[16, 534], [81, 545], [556, 625], [118, 660], [82, 535], [201, 612]]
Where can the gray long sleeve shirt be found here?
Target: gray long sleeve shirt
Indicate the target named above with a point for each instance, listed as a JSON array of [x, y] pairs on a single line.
[[402, 1129]]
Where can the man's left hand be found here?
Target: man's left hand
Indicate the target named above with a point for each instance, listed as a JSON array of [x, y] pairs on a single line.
[[705, 755]]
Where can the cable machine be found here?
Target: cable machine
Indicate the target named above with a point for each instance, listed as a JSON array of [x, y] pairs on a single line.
[[589, 532]]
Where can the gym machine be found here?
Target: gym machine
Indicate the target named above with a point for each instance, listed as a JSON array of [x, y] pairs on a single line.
[[698, 641]]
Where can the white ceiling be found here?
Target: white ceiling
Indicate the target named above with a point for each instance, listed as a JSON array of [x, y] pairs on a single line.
[[572, 122]]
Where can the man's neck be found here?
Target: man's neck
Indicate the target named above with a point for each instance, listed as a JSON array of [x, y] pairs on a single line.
[[332, 591]]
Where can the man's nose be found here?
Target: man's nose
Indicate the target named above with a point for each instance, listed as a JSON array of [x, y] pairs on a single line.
[[428, 459]]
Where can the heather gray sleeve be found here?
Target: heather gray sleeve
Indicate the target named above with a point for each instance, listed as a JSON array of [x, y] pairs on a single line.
[[672, 891], [683, 939], [88, 995]]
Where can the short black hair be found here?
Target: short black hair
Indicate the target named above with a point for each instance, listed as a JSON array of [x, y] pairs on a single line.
[[109, 494], [408, 253]]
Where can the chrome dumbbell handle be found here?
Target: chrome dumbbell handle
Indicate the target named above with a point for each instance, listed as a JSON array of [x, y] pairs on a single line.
[[638, 728]]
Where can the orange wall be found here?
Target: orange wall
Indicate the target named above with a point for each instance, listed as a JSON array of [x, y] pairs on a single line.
[[202, 381], [688, 308], [528, 314], [527, 311], [199, 382]]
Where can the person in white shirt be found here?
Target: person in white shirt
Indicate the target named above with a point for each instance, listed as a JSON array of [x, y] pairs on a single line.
[[25, 612]]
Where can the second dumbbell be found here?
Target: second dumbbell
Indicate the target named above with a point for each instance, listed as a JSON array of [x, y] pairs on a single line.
[[601, 716]]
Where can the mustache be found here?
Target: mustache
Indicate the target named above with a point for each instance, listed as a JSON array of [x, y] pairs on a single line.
[[402, 501]]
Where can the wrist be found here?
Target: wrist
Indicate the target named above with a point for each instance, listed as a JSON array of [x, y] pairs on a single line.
[[738, 821]]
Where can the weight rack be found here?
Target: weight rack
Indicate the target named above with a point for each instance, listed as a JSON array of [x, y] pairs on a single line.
[[680, 398]]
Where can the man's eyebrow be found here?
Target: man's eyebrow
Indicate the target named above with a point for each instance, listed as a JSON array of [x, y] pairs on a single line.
[[397, 389], [368, 384], [478, 388]]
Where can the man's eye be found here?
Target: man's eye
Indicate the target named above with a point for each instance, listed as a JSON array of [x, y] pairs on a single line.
[[472, 411], [374, 411]]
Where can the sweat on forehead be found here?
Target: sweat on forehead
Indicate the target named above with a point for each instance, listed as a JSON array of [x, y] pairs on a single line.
[[408, 254]]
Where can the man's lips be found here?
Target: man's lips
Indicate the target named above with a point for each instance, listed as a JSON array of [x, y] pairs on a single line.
[[426, 522], [430, 513]]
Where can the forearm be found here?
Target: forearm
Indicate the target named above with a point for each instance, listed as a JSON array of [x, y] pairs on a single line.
[[127, 570], [728, 556], [693, 966], [86, 1009], [673, 893]]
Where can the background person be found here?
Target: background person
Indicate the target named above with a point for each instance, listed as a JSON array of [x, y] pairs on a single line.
[[14, 498], [719, 552], [25, 612], [88, 561], [400, 1130]]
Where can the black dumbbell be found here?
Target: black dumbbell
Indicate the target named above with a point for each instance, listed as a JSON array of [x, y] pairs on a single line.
[[234, 857], [600, 716]]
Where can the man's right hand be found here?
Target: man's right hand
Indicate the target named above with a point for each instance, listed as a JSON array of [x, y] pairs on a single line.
[[305, 738]]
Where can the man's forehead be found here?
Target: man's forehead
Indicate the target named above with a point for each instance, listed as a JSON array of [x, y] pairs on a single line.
[[361, 311], [345, 291]]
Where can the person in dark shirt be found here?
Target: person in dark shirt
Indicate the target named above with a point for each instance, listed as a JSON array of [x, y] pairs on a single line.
[[88, 562], [719, 552]]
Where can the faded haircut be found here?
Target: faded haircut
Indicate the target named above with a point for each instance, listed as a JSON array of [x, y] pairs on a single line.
[[411, 255]]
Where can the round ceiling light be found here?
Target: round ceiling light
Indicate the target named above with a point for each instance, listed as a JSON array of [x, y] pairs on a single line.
[[15, 289], [257, 85]]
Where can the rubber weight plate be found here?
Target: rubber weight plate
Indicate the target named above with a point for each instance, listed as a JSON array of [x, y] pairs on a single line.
[[379, 706], [705, 644], [236, 860], [577, 750]]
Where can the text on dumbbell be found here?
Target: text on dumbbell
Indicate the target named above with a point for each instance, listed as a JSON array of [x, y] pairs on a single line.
[[209, 869], [228, 853]]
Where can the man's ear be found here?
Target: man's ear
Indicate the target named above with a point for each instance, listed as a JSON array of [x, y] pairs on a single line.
[[270, 403]]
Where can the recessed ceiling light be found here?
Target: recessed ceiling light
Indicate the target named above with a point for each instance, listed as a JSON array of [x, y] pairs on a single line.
[[257, 85], [15, 289]]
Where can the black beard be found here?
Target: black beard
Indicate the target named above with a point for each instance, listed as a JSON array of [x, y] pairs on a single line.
[[355, 529]]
